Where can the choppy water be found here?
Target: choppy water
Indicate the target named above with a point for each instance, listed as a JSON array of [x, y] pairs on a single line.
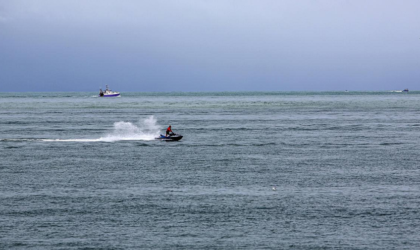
[[80, 172]]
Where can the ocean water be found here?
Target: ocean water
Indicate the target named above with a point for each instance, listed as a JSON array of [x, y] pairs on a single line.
[[263, 170]]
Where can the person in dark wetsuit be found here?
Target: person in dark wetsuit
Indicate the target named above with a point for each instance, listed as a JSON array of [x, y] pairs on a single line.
[[169, 131]]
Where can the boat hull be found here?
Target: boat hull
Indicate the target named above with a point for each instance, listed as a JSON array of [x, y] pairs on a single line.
[[113, 95]]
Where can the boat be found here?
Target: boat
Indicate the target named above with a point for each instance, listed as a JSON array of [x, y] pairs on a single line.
[[399, 91], [108, 93], [171, 137]]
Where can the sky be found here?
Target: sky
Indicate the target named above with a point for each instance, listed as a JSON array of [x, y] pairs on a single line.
[[209, 45]]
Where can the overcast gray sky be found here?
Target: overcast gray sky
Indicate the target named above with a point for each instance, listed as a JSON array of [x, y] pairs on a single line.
[[203, 45]]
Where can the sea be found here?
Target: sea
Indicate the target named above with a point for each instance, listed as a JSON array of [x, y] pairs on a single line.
[[254, 170]]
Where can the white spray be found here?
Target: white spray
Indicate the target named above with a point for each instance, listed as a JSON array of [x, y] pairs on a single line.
[[144, 130]]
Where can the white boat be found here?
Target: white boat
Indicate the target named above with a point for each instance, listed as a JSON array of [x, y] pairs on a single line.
[[108, 93]]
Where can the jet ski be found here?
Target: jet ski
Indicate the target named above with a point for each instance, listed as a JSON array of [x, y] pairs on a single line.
[[171, 137]]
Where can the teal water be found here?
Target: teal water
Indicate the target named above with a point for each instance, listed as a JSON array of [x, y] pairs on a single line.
[[263, 170]]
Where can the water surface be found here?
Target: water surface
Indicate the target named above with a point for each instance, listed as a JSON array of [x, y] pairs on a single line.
[[82, 172]]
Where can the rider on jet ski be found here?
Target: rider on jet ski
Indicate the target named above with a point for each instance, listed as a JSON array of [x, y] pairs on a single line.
[[169, 131]]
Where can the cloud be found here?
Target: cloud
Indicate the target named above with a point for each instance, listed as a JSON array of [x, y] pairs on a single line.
[[193, 44]]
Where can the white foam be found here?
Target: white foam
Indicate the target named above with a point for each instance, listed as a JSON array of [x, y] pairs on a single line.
[[76, 140], [144, 130]]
